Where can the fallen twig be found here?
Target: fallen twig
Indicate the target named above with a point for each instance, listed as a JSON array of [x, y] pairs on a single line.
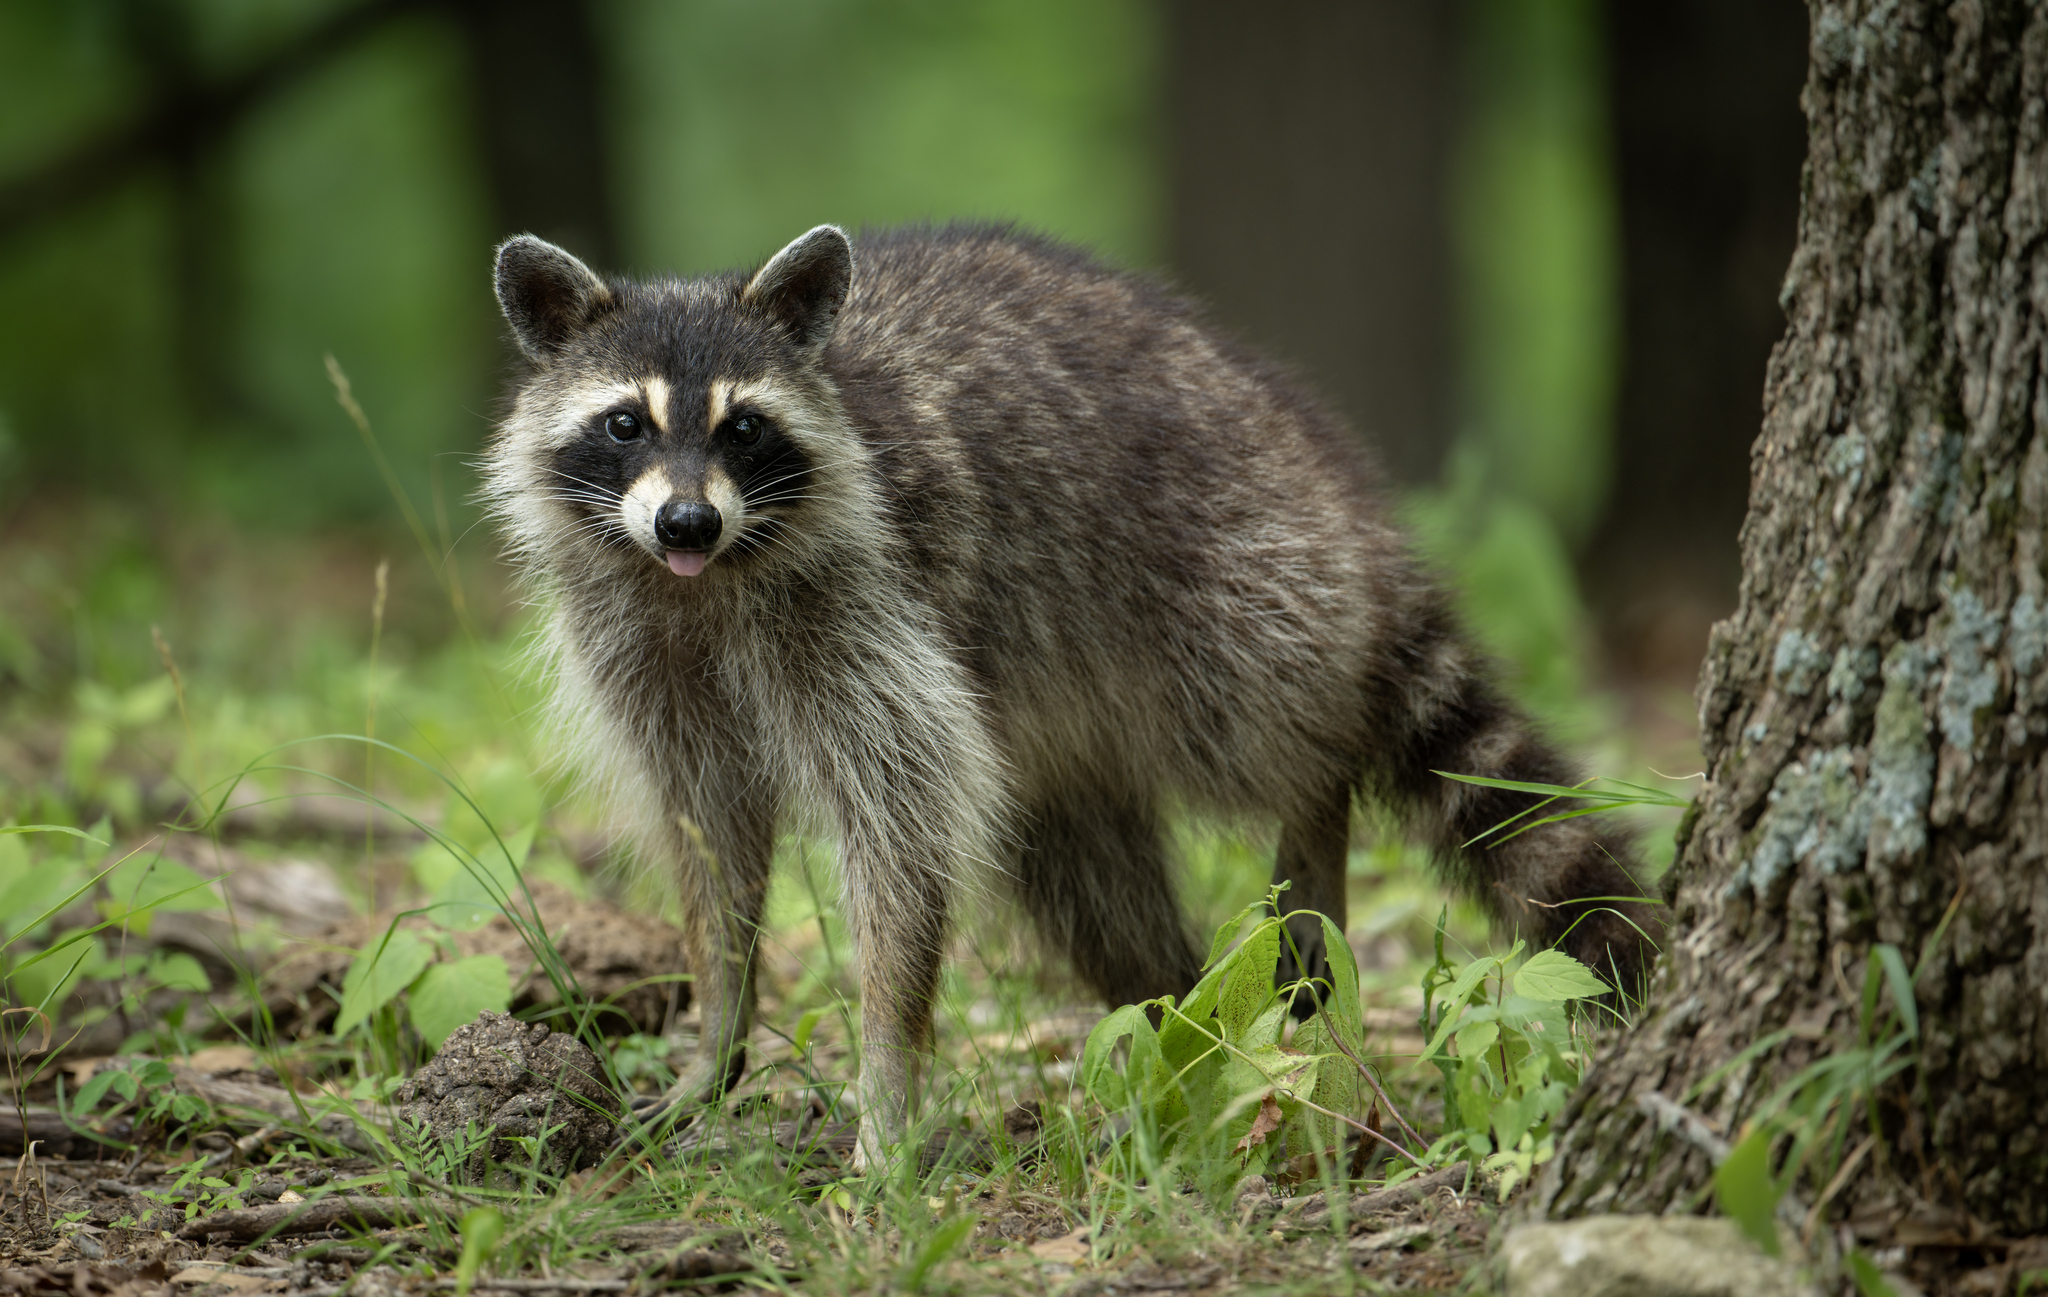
[[279, 1218]]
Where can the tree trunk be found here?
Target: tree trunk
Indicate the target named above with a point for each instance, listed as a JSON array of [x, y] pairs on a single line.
[[540, 94], [1707, 146], [1310, 153], [1874, 715]]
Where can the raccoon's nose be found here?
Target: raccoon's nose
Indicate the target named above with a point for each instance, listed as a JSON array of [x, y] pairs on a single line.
[[687, 525]]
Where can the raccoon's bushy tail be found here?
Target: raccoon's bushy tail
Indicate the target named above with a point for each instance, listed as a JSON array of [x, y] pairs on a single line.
[[1572, 884]]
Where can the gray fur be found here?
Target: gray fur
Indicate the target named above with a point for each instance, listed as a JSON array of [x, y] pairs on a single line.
[[1049, 555]]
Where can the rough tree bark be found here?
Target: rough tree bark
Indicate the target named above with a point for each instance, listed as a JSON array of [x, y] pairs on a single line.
[[1875, 713]]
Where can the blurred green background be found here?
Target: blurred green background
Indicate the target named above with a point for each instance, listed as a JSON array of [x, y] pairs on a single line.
[[1531, 247]]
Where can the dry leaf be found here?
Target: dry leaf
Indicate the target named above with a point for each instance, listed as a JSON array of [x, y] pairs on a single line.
[[202, 1273], [215, 1059], [1265, 1123], [1367, 1148], [1070, 1248]]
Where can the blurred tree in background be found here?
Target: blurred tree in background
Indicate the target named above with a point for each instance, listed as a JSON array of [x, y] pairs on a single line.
[[1476, 227]]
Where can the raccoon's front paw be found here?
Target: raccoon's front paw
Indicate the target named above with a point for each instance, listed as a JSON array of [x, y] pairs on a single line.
[[704, 1083]]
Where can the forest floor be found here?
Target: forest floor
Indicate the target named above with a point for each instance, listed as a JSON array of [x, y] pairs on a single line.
[[198, 716], [763, 1196]]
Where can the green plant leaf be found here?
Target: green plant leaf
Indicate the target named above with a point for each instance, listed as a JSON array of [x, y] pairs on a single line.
[[1637, 794], [378, 973], [937, 1248], [482, 1228], [1098, 1072], [1475, 1038], [800, 1041], [1247, 979], [447, 996], [51, 828], [178, 971], [1745, 1192], [1901, 984], [1227, 933], [1555, 977], [107, 1078], [1454, 998], [1870, 1281]]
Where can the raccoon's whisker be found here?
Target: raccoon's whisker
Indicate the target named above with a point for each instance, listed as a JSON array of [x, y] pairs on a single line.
[[578, 497], [601, 489]]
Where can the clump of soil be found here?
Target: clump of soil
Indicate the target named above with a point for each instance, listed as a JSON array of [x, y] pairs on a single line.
[[628, 963], [507, 1079]]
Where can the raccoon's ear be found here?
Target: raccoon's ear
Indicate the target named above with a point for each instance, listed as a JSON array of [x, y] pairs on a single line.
[[548, 296], [805, 284]]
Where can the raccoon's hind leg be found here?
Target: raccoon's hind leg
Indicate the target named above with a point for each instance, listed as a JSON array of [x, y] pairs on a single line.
[[1093, 875], [1314, 847]]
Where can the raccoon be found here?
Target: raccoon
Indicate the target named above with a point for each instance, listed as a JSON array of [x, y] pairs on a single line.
[[986, 555]]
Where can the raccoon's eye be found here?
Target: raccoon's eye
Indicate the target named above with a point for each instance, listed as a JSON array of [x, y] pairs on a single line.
[[622, 426], [747, 429]]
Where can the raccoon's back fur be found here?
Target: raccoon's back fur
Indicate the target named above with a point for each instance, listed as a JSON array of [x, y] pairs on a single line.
[[987, 554]]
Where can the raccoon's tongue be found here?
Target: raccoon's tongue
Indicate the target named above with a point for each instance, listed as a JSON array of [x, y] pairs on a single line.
[[685, 564]]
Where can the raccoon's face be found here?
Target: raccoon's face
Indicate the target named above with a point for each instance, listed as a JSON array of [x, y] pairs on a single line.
[[689, 425]]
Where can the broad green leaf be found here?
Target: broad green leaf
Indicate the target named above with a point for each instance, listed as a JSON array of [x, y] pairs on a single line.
[[1181, 1040], [1248, 979], [1555, 977], [178, 972], [18, 925], [1345, 1011], [1745, 1193], [1228, 933], [1475, 1039], [107, 1078], [470, 883], [801, 1040], [447, 996], [482, 1227], [379, 972], [153, 883], [1454, 998], [46, 978], [1098, 1071]]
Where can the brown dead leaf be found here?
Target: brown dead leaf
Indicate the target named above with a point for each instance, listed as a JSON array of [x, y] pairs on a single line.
[[603, 1182], [1070, 1248], [204, 1273], [1265, 1123], [215, 1059], [1367, 1148]]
